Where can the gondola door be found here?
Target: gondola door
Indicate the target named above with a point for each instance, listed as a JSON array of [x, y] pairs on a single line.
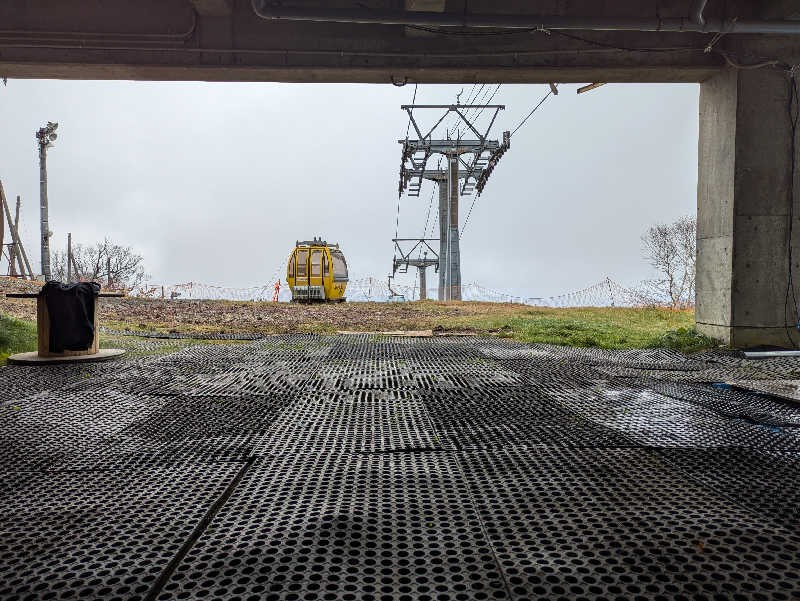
[[315, 275], [301, 282]]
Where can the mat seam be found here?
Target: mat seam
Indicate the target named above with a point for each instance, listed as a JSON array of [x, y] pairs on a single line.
[[197, 532]]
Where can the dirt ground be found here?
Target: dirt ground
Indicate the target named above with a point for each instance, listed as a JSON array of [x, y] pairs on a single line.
[[603, 327], [266, 317]]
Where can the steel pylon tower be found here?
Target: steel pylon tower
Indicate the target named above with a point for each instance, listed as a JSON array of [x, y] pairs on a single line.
[[422, 263], [469, 162]]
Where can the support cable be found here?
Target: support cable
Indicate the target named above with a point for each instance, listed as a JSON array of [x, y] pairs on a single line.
[[541, 102], [479, 111], [427, 218], [470, 100], [408, 126], [466, 221]]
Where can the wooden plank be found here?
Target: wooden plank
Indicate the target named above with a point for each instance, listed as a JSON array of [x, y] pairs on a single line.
[[14, 233], [17, 254], [43, 328], [398, 333], [36, 295]]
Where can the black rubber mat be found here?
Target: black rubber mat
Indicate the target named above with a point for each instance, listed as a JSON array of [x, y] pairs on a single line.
[[656, 420], [346, 527], [468, 419], [40, 430], [622, 524], [764, 482], [122, 452], [737, 404], [370, 467], [21, 381], [184, 335], [365, 421], [101, 535]]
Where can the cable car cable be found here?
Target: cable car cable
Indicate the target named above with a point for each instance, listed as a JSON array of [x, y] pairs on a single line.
[[466, 221], [475, 100], [427, 218], [541, 102], [408, 125], [535, 108], [470, 100]]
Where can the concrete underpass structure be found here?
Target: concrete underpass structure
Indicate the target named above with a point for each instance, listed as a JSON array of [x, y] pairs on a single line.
[[747, 179]]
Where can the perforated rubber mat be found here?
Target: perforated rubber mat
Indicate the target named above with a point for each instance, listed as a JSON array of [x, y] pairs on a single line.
[[344, 527], [622, 524], [102, 534], [373, 468]]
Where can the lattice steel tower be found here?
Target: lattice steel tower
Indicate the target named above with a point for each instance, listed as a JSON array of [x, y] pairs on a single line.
[[469, 159]]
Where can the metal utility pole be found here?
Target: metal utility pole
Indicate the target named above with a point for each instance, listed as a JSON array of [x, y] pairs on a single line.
[[453, 252], [69, 258], [468, 159], [45, 137], [442, 178], [423, 285]]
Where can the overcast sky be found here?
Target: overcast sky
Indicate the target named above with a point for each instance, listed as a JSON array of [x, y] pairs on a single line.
[[213, 183]]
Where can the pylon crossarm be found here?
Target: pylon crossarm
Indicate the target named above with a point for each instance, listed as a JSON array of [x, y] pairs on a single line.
[[413, 121]]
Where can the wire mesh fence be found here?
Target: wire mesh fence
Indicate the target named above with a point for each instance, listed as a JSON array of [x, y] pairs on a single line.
[[605, 293]]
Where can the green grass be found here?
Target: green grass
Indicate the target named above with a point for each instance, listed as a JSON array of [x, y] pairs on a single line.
[[607, 328], [19, 336], [16, 336]]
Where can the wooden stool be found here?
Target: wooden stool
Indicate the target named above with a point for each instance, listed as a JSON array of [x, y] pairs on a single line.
[[44, 355]]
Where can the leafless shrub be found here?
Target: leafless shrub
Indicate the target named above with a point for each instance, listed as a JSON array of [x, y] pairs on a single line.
[[672, 250], [105, 262]]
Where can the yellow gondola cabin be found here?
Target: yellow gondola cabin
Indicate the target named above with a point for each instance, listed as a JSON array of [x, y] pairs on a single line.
[[317, 271]]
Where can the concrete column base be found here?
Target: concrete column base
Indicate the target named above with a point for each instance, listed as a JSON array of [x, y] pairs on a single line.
[[743, 211], [749, 337]]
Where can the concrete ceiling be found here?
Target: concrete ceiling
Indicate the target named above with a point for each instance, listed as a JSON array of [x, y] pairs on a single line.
[[224, 40]]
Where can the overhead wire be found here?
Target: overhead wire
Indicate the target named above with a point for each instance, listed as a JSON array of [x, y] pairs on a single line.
[[475, 198], [533, 110], [430, 205], [600, 44], [475, 113], [469, 213], [485, 104], [408, 126], [470, 100], [475, 34]]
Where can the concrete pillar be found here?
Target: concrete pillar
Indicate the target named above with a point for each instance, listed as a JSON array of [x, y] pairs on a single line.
[[442, 238], [743, 202], [423, 292]]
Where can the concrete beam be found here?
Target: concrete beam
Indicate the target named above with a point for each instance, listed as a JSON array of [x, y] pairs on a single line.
[[213, 8], [223, 40]]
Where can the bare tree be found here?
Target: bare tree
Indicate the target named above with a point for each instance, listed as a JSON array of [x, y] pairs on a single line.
[[104, 262], [672, 250]]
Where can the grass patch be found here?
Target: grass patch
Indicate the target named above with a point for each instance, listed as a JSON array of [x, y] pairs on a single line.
[[607, 328], [16, 336], [148, 347], [687, 340], [598, 327]]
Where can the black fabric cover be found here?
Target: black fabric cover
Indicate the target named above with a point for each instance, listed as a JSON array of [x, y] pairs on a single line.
[[71, 311]]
